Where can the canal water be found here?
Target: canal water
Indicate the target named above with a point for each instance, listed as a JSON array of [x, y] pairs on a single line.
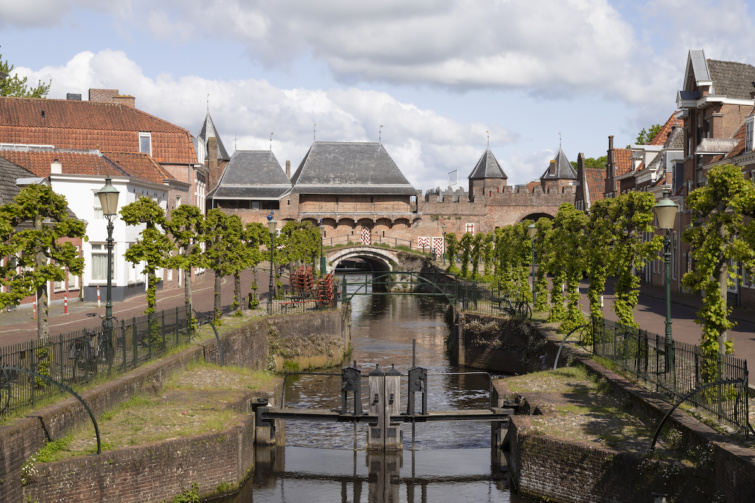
[[442, 462]]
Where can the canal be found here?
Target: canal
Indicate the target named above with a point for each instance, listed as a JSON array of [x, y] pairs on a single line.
[[441, 462]]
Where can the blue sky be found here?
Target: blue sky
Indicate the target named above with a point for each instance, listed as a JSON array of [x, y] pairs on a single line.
[[437, 74]]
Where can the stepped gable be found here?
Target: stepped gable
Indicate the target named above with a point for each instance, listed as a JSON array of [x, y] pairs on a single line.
[[487, 167], [86, 162], [82, 125], [209, 131], [560, 168], [252, 174], [350, 168]]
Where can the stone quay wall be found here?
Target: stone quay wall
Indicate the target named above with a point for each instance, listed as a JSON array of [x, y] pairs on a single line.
[[246, 346]]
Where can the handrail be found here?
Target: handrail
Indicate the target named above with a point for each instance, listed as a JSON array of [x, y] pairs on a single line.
[[217, 337], [451, 299], [558, 354]]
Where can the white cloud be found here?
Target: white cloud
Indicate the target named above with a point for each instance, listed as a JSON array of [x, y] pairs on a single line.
[[425, 144]]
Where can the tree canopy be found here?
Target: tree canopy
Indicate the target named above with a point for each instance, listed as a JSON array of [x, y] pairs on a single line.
[[646, 135], [14, 85]]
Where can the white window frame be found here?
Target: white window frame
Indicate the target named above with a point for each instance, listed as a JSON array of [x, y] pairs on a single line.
[[97, 208], [101, 250], [749, 129], [148, 136]]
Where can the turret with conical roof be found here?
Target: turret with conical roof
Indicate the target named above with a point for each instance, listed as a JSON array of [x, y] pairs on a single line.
[[211, 151], [559, 173], [487, 177]]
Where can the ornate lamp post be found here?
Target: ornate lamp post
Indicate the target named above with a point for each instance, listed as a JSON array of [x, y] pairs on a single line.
[[322, 257], [271, 224], [665, 211], [444, 245], [109, 201], [532, 232]]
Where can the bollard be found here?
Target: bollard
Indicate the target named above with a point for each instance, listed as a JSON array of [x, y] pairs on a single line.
[[65, 303], [98, 296], [34, 309]]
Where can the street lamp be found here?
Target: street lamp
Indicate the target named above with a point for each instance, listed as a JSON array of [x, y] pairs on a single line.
[[444, 245], [322, 257], [532, 232], [665, 211], [271, 224], [109, 201]]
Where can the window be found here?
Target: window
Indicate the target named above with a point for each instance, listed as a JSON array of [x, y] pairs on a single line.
[[178, 201], [99, 262], [97, 208], [748, 133], [145, 143], [73, 280]]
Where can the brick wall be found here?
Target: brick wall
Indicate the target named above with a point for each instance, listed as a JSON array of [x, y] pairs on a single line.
[[244, 347], [149, 473]]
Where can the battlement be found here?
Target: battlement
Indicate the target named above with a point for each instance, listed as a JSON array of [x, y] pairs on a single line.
[[442, 201]]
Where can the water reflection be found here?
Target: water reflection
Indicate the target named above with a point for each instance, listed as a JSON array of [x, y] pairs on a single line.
[[451, 462]]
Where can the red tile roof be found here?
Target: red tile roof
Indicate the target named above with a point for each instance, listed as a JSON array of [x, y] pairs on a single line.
[[595, 179], [139, 165], [72, 163], [662, 136], [740, 147], [86, 125], [623, 159]]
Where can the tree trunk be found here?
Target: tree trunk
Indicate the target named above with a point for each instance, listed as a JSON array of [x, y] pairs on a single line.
[[237, 291], [43, 310], [723, 277], [187, 287], [217, 311]]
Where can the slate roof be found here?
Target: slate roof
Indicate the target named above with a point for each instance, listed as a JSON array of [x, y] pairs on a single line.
[[86, 125], [252, 174], [563, 169], [666, 129], [9, 173], [72, 163], [350, 168], [675, 140], [208, 131], [487, 167], [733, 80]]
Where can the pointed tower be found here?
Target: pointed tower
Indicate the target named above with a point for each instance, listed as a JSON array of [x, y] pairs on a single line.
[[210, 151], [487, 177], [559, 173]]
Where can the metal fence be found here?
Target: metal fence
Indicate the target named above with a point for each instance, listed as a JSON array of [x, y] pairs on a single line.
[[79, 357], [489, 300], [677, 369]]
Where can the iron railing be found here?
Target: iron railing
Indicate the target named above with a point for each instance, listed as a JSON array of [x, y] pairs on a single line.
[[82, 356], [489, 300], [676, 369]]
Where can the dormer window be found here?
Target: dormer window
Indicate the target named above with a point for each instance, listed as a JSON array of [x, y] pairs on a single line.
[[749, 127], [145, 143]]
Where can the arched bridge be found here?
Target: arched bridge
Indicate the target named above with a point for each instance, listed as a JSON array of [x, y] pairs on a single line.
[[381, 259]]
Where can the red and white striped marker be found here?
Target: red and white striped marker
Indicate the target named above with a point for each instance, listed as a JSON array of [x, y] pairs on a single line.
[[98, 296], [65, 303], [34, 308]]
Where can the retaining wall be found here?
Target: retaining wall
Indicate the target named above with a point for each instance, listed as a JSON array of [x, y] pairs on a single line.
[[246, 346]]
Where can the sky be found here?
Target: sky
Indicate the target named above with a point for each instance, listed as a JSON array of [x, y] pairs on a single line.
[[435, 81]]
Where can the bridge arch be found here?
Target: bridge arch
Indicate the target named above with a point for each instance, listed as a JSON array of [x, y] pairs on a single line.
[[381, 259]]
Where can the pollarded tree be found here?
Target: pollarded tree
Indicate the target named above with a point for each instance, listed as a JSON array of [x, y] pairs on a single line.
[[466, 243], [153, 247], [239, 257], [452, 250], [543, 253], [255, 236], [217, 254], [186, 226], [599, 245], [488, 254], [568, 231], [32, 227], [632, 218], [721, 237], [478, 245]]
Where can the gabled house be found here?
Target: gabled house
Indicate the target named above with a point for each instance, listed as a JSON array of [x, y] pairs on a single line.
[[252, 180]]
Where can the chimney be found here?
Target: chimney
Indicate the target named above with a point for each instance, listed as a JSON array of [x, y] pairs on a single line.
[[56, 168], [103, 95], [212, 157], [288, 169], [125, 99], [610, 169], [73, 97]]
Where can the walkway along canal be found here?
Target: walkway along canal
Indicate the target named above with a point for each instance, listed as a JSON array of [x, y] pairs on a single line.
[[443, 461]]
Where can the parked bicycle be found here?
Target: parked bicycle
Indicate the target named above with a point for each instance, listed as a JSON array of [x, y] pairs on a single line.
[[83, 352]]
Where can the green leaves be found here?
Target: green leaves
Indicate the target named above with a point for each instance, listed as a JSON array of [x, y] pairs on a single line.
[[16, 86]]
